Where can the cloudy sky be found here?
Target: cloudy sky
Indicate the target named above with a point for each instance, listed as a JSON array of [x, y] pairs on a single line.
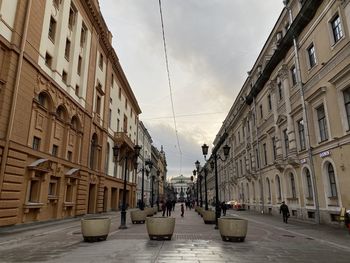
[[211, 46]]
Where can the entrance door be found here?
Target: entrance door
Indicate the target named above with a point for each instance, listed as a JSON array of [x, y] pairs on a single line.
[[114, 197], [91, 199], [105, 199]]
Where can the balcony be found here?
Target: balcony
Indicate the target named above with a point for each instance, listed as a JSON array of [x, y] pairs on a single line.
[[123, 141]]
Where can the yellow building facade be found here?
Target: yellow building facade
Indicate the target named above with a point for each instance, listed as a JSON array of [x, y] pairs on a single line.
[[65, 102]]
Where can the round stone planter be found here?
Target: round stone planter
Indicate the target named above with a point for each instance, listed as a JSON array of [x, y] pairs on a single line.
[[155, 210], [199, 210], [233, 229], [149, 211], [95, 228], [208, 216], [160, 228], [138, 216]]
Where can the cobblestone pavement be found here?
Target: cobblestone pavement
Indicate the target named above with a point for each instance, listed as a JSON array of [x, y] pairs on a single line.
[[268, 240]]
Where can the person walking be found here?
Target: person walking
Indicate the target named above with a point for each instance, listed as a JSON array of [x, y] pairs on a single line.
[[285, 212], [163, 207], [169, 207], [182, 210], [224, 208], [174, 203]]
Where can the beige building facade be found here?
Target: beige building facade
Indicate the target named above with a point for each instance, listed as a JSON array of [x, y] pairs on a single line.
[[64, 104], [289, 126]]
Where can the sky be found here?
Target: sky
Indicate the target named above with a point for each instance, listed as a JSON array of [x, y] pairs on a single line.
[[211, 45]]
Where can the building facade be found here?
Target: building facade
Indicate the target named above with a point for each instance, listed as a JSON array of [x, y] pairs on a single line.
[[145, 141], [289, 126], [180, 185], [64, 104], [158, 174]]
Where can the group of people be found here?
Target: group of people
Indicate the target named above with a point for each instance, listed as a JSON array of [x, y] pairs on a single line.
[[168, 206]]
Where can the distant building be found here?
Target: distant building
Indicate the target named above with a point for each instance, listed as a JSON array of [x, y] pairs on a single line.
[[181, 185]]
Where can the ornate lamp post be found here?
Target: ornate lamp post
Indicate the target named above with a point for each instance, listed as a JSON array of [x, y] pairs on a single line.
[[158, 179], [197, 163], [205, 187], [116, 153], [213, 163]]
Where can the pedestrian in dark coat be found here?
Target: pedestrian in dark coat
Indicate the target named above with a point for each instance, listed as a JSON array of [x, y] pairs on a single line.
[[285, 212], [173, 203], [224, 208], [169, 206], [182, 210], [163, 208]]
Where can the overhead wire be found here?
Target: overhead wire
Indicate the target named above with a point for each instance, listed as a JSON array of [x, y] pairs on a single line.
[[169, 82]]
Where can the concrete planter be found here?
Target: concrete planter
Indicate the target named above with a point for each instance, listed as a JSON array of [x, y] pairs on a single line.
[[149, 211], [138, 216], [155, 210], [199, 210], [95, 228], [160, 228], [233, 229], [208, 216]]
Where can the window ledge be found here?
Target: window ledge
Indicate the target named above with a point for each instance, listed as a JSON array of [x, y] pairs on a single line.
[[333, 197], [30, 205]]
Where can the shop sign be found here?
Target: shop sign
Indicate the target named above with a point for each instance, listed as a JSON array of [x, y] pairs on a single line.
[[325, 154]]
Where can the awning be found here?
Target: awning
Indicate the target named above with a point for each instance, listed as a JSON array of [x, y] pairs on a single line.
[[72, 171], [37, 162]]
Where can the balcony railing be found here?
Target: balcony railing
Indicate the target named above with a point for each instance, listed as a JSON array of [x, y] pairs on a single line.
[[123, 140]]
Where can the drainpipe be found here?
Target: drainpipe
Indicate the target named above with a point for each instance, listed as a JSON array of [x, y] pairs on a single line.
[[305, 117], [15, 93]]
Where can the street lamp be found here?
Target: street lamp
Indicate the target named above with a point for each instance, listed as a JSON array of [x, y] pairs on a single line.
[[213, 164], [205, 187], [149, 163], [158, 179], [197, 163], [116, 152]]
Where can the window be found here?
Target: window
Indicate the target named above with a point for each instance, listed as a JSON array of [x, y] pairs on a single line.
[[279, 191], [112, 80], [312, 55], [257, 158], [269, 102], [69, 193], [48, 60], [322, 124], [126, 103], [69, 156], [337, 28], [120, 93], [332, 183], [292, 185], [64, 77], [36, 143], [308, 183], [52, 188], [347, 105], [261, 111], [110, 118], [52, 29], [286, 141], [301, 134], [34, 191], [83, 33], [265, 154], [118, 125], [240, 167], [71, 19], [280, 93], [293, 72], [80, 59], [98, 105], [77, 90], [268, 189], [54, 150], [274, 153], [42, 100], [67, 49], [100, 63]]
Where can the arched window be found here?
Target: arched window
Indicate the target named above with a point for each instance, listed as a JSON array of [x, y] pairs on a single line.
[[75, 123], [308, 183], [253, 185], [93, 151], [332, 183], [268, 189], [278, 185], [42, 98], [292, 185]]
